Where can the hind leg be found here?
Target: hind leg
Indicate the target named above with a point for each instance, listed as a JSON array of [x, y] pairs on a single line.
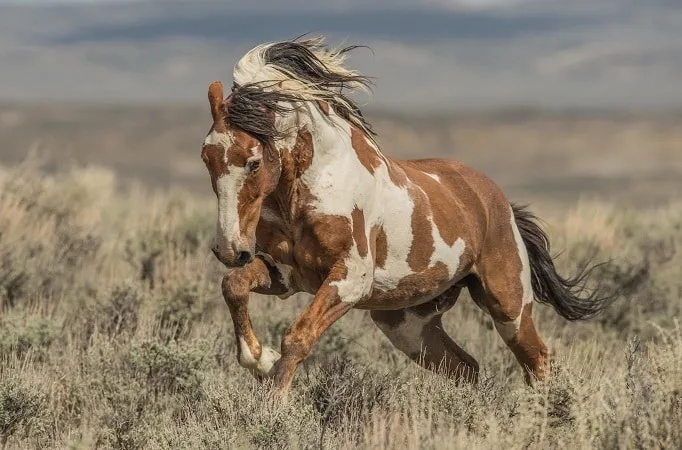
[[418, 332], [504, 289]]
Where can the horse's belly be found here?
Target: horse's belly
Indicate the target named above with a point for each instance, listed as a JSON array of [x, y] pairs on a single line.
[[397, 292]]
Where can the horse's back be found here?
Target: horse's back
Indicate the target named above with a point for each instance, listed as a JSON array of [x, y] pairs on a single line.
[[465, 193]]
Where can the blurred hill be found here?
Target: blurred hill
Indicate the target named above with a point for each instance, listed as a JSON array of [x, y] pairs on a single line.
[[551, 158]]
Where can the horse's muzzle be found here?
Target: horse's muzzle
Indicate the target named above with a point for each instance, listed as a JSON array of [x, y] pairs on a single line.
[[243, 257]]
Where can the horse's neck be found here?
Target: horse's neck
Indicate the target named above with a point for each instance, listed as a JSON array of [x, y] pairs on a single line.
[[318, 155]]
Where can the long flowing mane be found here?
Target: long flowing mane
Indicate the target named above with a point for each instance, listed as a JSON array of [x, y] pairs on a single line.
[[272, 75]]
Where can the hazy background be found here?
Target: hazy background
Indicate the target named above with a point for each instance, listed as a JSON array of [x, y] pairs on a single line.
[[553, 99]]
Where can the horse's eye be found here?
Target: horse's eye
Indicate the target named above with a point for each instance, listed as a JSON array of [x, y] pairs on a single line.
[[252, 165]]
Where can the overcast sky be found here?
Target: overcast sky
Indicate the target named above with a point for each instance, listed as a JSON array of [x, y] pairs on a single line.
[[427, 54]]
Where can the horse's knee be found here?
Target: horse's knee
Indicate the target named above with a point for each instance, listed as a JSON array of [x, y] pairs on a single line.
[[236, 284], [296, 345]]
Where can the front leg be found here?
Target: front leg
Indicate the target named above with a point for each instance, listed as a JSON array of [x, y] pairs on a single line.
[[331, 302], [263, 278]]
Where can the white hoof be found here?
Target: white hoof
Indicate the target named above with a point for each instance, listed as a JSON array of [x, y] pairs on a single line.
[[268, 358], [259, 367]]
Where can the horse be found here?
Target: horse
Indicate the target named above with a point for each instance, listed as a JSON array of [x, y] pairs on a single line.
[[307, 202]]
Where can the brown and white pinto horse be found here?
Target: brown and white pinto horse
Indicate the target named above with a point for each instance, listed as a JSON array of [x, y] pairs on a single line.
[[308, 203]]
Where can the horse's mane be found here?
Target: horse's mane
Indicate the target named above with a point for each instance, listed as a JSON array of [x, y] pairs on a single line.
[[271, 75]]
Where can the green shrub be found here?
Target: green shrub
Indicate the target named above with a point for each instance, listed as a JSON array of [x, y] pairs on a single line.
[[24, 411], [178, 311], [169, 368], [114, 314], [31, 335]]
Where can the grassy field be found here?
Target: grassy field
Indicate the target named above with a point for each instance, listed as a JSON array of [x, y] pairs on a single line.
[[114, 335]]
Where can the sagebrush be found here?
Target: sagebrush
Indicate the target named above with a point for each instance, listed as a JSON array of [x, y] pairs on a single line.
[[114, 335]]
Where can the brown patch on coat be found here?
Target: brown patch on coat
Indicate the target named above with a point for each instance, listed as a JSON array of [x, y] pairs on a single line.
[[294, 162], [396, 173], [378, 245], [500, 269], [215, 99], [528, 347], [322, 241], [412, 290], [324, 106], [367, 155], [212, 155], [461, 201], [422, 245], [371, 159], [309, 242], [303, 151], [359, 234]]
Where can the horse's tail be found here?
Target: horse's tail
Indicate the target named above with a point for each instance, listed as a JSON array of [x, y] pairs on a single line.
[[548, 286]]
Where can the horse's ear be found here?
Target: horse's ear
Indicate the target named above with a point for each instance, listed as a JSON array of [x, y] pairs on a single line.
[[215, 98]]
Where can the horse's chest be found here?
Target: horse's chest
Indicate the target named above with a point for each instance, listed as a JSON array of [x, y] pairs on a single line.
[[304, 252]]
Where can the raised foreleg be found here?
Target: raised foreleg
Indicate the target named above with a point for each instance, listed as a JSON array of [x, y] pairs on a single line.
[[263, 278], [341, 290]]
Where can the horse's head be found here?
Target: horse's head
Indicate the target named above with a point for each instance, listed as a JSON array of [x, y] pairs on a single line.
[[241, 176]]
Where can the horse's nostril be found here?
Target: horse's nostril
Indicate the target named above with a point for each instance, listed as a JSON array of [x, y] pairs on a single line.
[[243, 258]]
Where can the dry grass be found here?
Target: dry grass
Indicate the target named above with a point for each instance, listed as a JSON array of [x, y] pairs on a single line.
[[114, 335]]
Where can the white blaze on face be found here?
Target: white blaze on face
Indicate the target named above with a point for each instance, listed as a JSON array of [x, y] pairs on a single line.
[[228, 187]]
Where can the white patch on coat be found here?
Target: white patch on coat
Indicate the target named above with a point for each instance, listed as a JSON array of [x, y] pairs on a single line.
[[337, 194], [262, 365], [509, 329], [228, 187], [444, 253], [435, 177], [225, 140], [359, 278], [525, 263]]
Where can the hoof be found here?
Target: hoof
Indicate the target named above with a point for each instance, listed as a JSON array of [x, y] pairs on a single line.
[[263, 367]]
